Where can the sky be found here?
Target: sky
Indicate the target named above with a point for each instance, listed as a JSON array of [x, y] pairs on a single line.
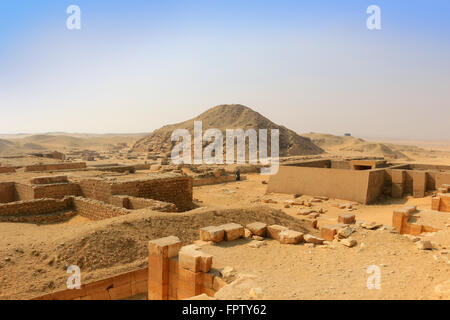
[[312, 66]]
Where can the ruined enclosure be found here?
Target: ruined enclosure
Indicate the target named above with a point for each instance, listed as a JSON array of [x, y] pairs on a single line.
[[49, 199], [362, 181]]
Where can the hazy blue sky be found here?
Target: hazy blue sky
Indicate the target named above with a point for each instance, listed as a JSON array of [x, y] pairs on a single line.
[[309, 65]]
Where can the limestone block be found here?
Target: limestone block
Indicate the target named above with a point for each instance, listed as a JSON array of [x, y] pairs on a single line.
[[346, 218], [290, 237], [312, 239], [233, 231], [257, 228], [212, 233], [273, 231]]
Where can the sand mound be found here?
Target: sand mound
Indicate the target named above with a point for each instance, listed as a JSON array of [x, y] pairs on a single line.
[[229, 117], [345, 145], [38, 265], [65, 142]]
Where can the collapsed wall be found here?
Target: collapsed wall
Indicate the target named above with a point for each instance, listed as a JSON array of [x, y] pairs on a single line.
[[56, 166], [36, 211]]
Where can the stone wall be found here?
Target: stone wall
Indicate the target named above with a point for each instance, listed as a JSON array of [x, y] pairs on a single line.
[[176, 190], [96, 189], [37, 211], [122, 286], [56, 191], [350, 185], [7, 170], [24, 192], [97, 210], [49, 180], [56, 166], [134, 203]]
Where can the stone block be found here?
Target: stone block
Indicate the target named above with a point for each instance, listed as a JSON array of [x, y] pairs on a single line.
[[258, 228], [312, 239], [329, 231], [274, 231], [347, 218], [233, 231], [212, 233], [290, 237], [194, 260]]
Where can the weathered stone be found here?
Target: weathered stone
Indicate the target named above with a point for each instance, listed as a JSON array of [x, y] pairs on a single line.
[[233, 231], [247, 233], [290, 237], [258, 228], [328, 232], [424, 245], [258, 238], [346, 218], [273, 231], [348, 242], [312, 239], [215, 234], [257, 244], [196, 261], [345, 232], [304, 212]]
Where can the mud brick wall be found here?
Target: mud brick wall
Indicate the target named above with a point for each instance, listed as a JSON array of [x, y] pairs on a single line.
[[97, 210], [35, 207], [96, 189], [134, 203], [24, 192], [120, 169], [56, 166], [377, 180], [7, 192], [7, 170], [56, 191], [122, 286], [174, 190], [49, 180]]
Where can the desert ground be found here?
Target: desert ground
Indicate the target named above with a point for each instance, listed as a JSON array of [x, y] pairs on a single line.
[[34, 256]]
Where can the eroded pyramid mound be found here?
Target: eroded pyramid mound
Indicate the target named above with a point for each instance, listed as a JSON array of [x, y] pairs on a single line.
[[229, 117]]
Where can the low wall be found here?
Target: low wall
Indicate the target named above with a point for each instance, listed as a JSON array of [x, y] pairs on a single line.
[[7, 170], [56, 191], [176, 190], [334, 183], [214, 180], [97, 210], [49, 180], [441, 202], [400, 221], [56, 166], [36, 211], [134, 203], [122, 286]]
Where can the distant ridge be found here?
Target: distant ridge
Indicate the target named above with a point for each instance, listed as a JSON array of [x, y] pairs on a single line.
[[224, 117]]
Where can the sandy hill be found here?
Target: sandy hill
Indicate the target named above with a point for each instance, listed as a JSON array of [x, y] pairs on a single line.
[[229, 117], [344, 145], [65, 142]]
